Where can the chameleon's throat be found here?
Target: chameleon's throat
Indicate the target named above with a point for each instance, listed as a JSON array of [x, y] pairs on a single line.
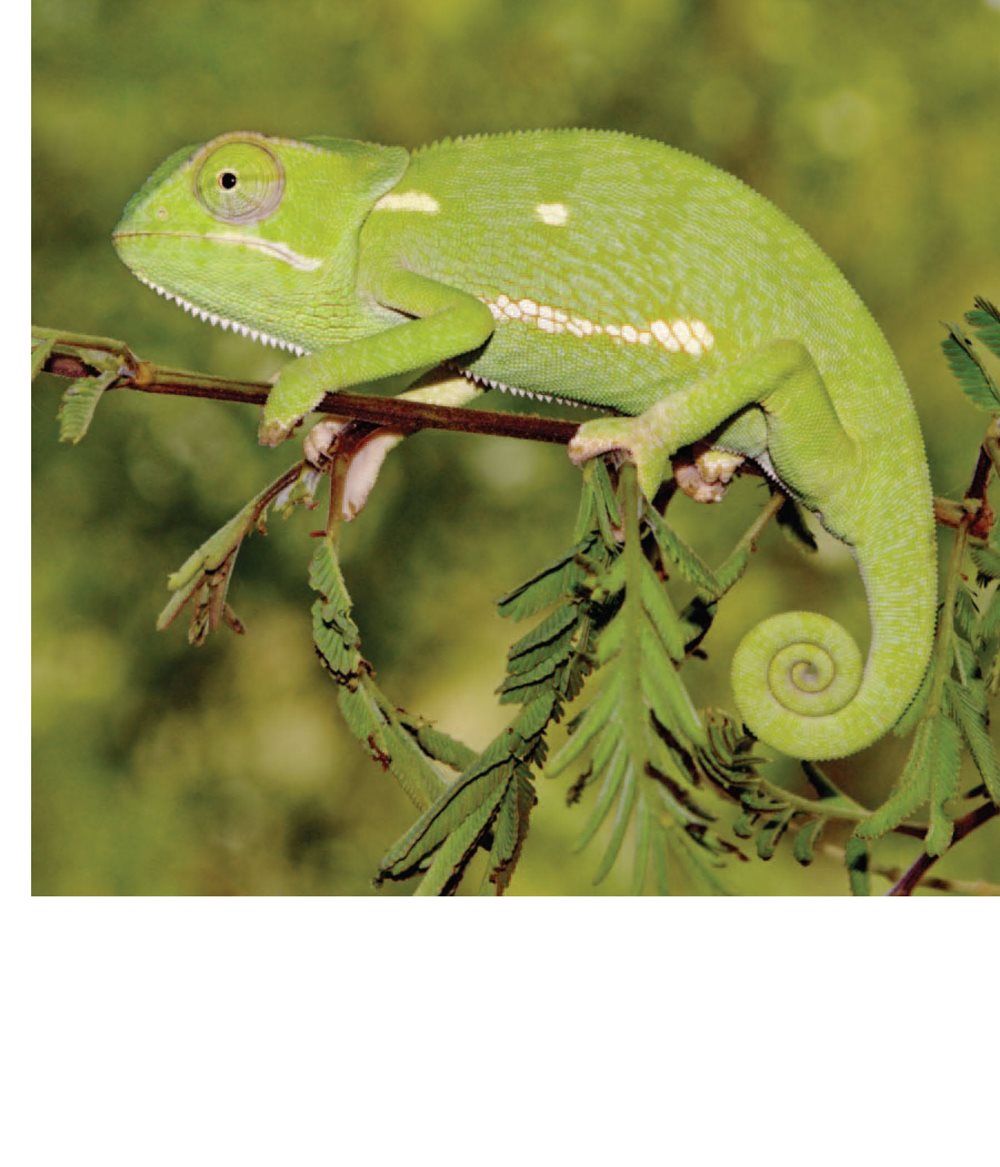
[[222, 322]]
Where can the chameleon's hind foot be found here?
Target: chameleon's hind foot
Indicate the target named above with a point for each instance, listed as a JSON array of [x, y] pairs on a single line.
[[704, 474], [628, 435]]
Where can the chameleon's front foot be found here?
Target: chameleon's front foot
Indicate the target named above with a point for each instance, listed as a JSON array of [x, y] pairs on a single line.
[[704, 473], [630, 436], [272, 433], [296, 392]]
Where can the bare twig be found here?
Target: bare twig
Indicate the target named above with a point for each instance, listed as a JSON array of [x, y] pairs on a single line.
[[389, 412], [908, 881], [965, 887]]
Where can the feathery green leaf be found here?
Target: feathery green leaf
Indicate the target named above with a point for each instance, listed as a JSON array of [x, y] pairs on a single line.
[[79, 404], [984, 320], [967, 368]]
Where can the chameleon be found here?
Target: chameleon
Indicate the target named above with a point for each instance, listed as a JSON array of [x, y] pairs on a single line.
[[597, 269]]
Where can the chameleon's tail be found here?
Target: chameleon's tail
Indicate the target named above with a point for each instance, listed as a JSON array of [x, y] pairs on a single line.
[[798, 677]]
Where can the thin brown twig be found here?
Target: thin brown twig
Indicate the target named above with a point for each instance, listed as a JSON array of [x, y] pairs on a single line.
[[908, 881], [965, 887], [389, 412]]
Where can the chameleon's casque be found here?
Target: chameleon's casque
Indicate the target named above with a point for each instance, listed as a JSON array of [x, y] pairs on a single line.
[[603, 270]]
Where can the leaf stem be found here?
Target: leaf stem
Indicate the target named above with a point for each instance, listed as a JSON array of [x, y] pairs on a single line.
[[968, 887], [753, 532], [908, 881]]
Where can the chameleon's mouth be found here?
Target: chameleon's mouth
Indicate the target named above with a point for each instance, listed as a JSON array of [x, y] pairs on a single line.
[[222, 322], [269, 247]]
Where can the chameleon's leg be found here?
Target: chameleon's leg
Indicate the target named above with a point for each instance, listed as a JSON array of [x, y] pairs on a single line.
[[441, 388], [438, 323], [797, 677], [808, 448]]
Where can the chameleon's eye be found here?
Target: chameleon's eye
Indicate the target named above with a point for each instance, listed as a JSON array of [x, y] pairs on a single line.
[[240, 182]]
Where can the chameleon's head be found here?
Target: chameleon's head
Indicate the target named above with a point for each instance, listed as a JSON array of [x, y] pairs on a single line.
[[255, 232]]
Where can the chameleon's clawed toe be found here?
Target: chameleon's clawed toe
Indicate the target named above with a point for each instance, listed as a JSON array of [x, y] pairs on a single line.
[[321, 441], [605, 435], [272, 433]]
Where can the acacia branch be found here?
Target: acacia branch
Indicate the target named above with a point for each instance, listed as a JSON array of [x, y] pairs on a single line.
[[964, 887], [389, 412], [908, 881]]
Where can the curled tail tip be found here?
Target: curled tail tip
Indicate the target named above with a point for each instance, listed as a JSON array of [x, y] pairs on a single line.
[[796, 680]]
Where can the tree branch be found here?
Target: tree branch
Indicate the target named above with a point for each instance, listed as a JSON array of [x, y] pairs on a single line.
[[908, 881], [964, 887], [390, 412]]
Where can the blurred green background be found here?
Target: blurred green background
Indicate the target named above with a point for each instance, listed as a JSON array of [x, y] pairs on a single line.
[[161, 769]]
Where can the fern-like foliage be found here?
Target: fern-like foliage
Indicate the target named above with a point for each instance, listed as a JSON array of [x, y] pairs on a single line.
[[81, 399], [396, 741], [661, 781], [202, 581], [641, 734], [965, 360], [488, 805], [950, 717], [657, 773]]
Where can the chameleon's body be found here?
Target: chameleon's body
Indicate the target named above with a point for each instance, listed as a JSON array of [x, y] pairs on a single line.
[[604, 270]]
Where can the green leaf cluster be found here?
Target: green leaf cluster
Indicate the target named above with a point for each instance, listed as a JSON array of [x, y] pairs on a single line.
[[679, 785], [950, 716], [641, 734], [488, 805], [967, 362], [202, 580], [82, 397]]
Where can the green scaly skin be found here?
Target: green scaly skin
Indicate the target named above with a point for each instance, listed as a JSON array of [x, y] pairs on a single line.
[[604, 270]]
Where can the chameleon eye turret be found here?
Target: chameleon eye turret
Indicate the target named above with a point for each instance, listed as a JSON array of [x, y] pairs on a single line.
[[240, 182]]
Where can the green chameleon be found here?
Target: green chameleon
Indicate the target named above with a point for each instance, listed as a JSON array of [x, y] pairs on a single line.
[[597, 269]]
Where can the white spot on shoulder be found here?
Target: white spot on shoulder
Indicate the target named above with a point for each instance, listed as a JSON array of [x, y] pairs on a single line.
[[552, 214], [409, 200]]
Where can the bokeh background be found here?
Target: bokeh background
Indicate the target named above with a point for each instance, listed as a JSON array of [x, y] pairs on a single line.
[[161, 769]]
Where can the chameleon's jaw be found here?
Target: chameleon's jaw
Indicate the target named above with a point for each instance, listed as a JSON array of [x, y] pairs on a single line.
[[221, 321]]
